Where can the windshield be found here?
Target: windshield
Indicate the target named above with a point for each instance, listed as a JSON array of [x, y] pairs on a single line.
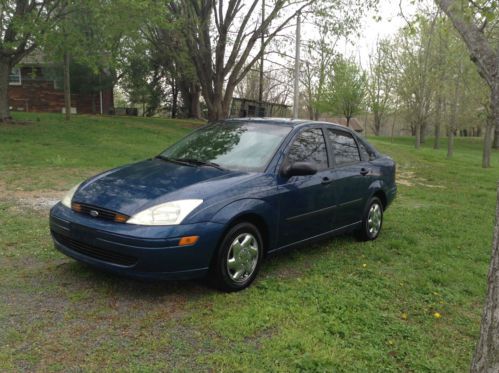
[[232, 145]]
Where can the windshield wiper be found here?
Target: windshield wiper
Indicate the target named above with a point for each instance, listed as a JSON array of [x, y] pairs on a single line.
[[198, 162], [173, 160]]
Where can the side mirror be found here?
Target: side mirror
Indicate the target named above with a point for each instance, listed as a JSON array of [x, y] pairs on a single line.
[[299, 169]]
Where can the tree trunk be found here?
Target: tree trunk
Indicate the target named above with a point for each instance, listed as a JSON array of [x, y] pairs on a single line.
[[4, 91], [195, 105], [487, 144], [491, 126], [422, 137], [190, 93], [438, 118], [311, 112], [418, 134], [452, 121], [174, 99], [486, 358], [348, 121], [67, 87], [496, 136], [377, 124], [394, 122], [450, 143]]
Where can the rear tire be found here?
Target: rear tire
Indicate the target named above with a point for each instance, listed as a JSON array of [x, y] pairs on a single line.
[[238, 259], [372, 220]]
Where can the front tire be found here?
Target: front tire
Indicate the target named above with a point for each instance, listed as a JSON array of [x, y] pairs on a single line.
[[372, 220], [238, 258]]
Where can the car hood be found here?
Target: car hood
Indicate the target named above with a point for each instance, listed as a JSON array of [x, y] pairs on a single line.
[[131, 188]]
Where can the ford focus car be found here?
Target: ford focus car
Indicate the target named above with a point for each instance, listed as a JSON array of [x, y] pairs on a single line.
[[222, 198]]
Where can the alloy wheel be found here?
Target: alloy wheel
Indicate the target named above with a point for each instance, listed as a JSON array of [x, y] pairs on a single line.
[[242, 257]]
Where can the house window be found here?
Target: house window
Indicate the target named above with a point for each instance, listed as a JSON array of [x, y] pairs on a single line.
[[15, 76]]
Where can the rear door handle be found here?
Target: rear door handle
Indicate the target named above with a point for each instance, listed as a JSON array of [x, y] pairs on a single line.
[[326, 180], [364, 171]]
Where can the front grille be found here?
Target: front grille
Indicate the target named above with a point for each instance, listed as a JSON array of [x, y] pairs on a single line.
[[95, 252], [98, 212]]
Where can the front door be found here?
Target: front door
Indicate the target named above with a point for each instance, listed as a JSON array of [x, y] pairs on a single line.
[[306, 202]]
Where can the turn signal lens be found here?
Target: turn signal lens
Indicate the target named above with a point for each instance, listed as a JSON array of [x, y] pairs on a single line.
[[188, 241], [76, 207], [120, 218]]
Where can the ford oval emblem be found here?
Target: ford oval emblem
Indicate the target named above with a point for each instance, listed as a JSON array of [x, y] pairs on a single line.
[[94, 213]]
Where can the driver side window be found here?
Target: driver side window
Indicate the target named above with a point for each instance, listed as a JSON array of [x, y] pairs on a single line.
[[309, 146]]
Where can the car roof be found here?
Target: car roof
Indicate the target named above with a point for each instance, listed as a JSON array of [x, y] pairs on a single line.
[[288, 122]]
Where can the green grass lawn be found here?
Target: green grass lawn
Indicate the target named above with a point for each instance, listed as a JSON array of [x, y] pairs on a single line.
[[336, 306]]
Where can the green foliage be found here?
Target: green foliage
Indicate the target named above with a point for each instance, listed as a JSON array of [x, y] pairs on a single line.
[[430, 69], [381, 83], [84, 79], [98, 33], [331, 21], [23, 26], [345, 91], [339, 305]]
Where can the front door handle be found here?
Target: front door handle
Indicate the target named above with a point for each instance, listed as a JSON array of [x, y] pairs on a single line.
[[326, 180], [364, 171]]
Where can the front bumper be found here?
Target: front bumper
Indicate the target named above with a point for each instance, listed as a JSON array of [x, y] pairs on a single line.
[[133, 250]]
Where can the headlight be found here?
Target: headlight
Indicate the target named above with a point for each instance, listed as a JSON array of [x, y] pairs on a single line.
[[66, 201], [170, 213]]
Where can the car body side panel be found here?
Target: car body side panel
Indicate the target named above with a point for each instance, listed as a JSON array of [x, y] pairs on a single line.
[[307, 207], [266, 211]]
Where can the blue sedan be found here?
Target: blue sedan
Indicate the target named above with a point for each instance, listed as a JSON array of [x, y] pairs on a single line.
[[225, 196]]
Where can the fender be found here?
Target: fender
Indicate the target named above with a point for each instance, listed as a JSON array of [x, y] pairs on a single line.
[[267, 213], [376, 186]]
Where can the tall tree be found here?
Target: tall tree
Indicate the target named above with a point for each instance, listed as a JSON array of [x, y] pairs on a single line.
[[329, 27], [318, 67], [93, 33], [415, 86], [380, 83], [221, 39], [471, 19], [169, 50], [22, 25], [345, 91], [277, 85]]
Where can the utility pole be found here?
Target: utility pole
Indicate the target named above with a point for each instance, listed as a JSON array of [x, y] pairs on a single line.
[[297, 68], [262, 49], [67, 85]]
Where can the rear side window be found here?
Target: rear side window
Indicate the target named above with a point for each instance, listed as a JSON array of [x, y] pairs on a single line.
[[309, 146], [364, 152], [345, 148]]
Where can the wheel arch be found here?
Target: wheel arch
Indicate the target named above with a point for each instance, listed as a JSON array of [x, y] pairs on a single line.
[[255, 211], [377, 190], [382, 197]]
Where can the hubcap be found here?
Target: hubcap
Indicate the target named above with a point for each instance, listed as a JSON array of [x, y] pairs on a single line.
[[242, 257], [374, 219]]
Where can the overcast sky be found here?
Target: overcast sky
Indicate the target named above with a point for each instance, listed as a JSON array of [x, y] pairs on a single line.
[[372, 30], [391, 22]]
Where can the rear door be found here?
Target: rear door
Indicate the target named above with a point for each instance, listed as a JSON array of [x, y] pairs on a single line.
[[351, 177], [306, 202]]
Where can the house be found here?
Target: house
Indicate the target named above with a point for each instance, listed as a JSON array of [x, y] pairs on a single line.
[[37, 86], [354, 122], [242, 108]]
